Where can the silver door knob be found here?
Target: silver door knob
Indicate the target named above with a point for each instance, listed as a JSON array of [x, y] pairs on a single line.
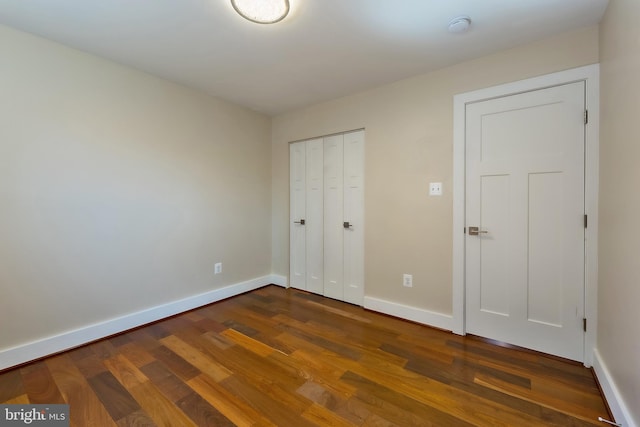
[[474, 231]]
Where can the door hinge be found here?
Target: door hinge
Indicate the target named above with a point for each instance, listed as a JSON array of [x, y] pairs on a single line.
[[584, 324], [585, 221], [586, 117]]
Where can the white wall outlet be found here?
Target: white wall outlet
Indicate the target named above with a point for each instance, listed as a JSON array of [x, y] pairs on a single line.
[[217, 268], [435, 189], [407, 280]]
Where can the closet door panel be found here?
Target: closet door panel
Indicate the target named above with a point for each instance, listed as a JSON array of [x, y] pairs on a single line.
[[333, 218], [314, 223], [354, 215], [297, 204]]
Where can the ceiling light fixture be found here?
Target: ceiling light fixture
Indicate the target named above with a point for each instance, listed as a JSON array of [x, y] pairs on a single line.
[[262, 11], [459, 25]]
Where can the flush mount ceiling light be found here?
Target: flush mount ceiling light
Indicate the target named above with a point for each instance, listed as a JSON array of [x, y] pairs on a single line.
[[262, 11], [460, 24]]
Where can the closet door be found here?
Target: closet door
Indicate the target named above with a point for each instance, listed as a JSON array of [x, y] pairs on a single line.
[[297, 206], [353, 224], [314, 220], [333, 217]]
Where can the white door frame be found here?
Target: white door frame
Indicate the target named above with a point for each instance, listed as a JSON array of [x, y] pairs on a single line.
[[590, 74]]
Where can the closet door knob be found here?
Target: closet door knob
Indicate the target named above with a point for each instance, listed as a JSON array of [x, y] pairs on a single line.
[[301, 222], [474, 231], [346, 224]]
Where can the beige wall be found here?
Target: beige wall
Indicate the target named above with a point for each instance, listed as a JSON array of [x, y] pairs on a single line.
[[619, 251], [409, 133], [118, 190]]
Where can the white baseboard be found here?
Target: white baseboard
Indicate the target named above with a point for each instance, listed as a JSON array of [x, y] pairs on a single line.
[[279, 280], [415, 314], [611, 392], [54, 344]]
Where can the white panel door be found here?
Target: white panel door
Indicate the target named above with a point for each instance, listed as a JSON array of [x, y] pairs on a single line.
[[333, 217], [297, 206], [525, 192], [314, 216], [353, 224]]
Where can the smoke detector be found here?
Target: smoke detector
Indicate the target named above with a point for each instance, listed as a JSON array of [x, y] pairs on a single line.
[[459, 25]]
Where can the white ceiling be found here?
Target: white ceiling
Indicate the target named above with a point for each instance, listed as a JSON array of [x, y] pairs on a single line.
[[324, 49]]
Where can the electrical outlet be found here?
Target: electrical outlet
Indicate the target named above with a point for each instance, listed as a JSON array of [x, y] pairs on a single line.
[[217, 268], [435, 189], [407, 280]]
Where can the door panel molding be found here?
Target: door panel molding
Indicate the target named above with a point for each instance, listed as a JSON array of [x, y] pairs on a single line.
[[297, 207], [590, 75]]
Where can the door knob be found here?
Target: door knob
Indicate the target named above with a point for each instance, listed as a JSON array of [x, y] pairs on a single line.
[[474, 231], [301, 222], [346, 224]]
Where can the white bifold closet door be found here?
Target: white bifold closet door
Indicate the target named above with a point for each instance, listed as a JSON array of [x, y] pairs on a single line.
[[298, 211], [353, 237], [306, 200], [327, 216], [314, 221], [333, 217]]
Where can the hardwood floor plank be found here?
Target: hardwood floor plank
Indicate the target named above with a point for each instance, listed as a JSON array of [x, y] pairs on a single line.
[[331, 399], [157, 331], [104, 349], [136, 354], [240, 361], [202, 413], [162, 411], [175, 363], [278, 412], [560, 392], [125, 372], [172, 387], [159, 408], [80, 352], [40, 386], [91, 366], [376, 421], [397, 407], [11, 385], [418, 352], [521, 360], [322, 305], [136, 419], [207, 325], [249, 343], [115, 398], [22, 399], [557, 413], [282, 357], [457, 402], [325, 343], [84, 406], [143, 337], [323, 374], [321, 416], [217, 340], [237, 411], [120, 340], [240, 327], [196, 358]]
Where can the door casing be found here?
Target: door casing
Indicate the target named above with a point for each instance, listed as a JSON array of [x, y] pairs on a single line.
[[591, 76]]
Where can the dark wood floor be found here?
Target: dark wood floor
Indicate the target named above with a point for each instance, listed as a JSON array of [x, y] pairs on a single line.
[[276, 357]]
